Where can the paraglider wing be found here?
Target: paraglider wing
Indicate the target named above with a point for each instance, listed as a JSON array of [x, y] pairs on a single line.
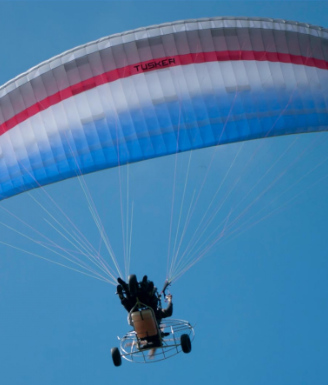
[[160, 90]]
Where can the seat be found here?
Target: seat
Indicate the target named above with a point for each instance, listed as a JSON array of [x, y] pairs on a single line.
[[144, 323]]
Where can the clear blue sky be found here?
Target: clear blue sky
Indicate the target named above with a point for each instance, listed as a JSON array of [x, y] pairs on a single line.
[[259, 301]]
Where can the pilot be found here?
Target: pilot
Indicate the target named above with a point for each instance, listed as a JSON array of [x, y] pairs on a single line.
[[146, 293]]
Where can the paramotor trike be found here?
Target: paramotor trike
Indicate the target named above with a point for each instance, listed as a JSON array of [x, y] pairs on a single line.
[[150, 342]]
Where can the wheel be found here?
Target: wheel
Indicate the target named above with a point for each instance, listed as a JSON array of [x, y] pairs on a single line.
[[116, 356], [185, 343], [133, 284]]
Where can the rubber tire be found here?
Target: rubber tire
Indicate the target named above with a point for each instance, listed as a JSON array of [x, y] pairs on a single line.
[[116, 356], [185, 343], [133, 284]]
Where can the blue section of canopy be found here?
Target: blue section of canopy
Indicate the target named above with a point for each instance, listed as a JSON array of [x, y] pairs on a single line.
[[167, 128]]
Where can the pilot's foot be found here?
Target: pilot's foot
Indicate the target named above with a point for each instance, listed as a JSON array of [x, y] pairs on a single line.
[[119, 291], [133, 284], [151, 353], [144, 283], [124, 285]]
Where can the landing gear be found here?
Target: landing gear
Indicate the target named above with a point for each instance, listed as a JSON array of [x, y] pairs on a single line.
[[116, 356], [185, 343]]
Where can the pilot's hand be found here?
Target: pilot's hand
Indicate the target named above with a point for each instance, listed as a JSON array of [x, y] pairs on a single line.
[[169, 298]]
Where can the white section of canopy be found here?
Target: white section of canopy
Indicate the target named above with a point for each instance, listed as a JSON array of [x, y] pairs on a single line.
[[110, 99]]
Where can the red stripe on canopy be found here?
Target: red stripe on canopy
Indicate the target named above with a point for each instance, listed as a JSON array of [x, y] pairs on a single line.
[[154, 65]]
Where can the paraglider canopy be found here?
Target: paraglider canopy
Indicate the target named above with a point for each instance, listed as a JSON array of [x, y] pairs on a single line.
[[161, 90]]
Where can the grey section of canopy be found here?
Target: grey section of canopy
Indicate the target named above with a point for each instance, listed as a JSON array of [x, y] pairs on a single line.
[[161, 30]]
